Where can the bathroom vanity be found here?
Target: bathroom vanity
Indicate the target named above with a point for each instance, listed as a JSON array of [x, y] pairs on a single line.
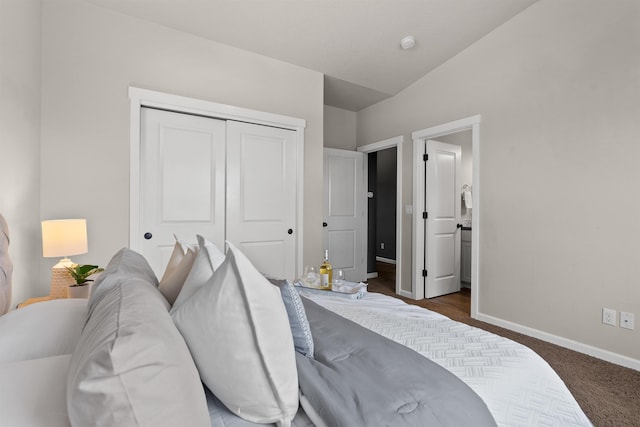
[[465, 256]]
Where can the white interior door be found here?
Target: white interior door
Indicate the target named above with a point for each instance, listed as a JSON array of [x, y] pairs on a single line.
[[182, 182], [442, 243], [345, 212], [261, 196]]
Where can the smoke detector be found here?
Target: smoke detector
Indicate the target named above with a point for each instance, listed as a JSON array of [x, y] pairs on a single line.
[[408, 42]]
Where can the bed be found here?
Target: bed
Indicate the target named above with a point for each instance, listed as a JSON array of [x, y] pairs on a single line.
[[214, 342], [517, 385]]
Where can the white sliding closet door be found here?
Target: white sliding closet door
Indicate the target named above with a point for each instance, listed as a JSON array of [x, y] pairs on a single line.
[[222, 179], [182, 182], [261, 195]]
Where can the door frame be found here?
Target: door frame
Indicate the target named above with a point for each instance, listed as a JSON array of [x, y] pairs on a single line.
[[470, 123], [148, 98], [372, 148]]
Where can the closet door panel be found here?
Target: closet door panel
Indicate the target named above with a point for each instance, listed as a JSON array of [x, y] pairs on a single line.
[[182, 182], [261, 191]]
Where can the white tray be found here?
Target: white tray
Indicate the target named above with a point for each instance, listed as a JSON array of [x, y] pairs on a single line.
[[356, 291]]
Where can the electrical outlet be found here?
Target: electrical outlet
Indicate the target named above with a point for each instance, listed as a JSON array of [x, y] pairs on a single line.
[[609, 316], [626, 320], [382, 245]]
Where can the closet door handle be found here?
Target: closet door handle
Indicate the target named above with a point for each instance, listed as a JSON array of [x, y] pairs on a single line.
[[459, 226], [290, 231], [324, 224], [148, 235]]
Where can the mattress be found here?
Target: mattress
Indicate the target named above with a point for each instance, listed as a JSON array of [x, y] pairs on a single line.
[[518, 386]]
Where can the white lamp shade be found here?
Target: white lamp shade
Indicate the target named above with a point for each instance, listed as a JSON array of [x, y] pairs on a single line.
[[64, 237]]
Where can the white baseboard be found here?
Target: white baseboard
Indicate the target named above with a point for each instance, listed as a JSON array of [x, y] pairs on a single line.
[[372, 275], [385, 260], [406, 294], [599, 353]]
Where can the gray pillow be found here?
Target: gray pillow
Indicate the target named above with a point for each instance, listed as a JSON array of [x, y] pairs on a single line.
[[124, 264], [131, 366], [302, 338]]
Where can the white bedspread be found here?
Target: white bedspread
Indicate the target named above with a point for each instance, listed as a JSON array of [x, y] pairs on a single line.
[[518, 386]]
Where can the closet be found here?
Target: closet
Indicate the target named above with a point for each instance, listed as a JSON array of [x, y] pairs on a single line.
[[221, 178]]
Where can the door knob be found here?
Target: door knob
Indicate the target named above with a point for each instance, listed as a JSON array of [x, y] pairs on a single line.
[[459, 226], [148, 235], [324, 224], [290, 231]]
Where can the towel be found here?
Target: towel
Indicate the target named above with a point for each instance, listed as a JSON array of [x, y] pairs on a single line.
[[468, 199]]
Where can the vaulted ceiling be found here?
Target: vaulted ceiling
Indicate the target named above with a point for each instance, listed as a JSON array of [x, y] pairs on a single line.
[[354, 43]]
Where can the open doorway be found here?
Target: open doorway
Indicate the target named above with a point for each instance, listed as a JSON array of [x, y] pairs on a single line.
[[384, 252], [381, 215], [463, 140], [471, 124], [460, 299]]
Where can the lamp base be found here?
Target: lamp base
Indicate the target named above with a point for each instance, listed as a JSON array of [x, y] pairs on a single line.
[[61, 279]]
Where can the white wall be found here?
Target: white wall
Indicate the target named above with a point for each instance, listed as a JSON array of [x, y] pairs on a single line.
[[20, 138], [90, 58], [558, 91], [339, 128]]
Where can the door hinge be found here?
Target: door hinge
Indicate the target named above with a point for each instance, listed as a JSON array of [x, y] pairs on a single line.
[[424, 273], [425, 215], [425, 157]]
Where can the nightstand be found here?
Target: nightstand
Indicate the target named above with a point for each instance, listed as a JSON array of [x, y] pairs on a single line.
[[33, 301]]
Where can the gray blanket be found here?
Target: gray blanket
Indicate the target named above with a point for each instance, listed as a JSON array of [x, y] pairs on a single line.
[[360, 378]]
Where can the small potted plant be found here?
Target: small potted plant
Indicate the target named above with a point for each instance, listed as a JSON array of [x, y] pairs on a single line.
[[80, 274]]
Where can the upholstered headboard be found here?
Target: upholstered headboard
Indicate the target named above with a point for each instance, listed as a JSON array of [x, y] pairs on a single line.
[[6, 267]]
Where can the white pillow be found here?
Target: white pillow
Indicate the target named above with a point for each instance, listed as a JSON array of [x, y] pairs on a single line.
[[176, 271], [131, 366], [48, 328], [32, 392], [237, 329], [207, 260]]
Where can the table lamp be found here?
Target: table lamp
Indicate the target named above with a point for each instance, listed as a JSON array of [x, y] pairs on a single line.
[[63, 238]]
